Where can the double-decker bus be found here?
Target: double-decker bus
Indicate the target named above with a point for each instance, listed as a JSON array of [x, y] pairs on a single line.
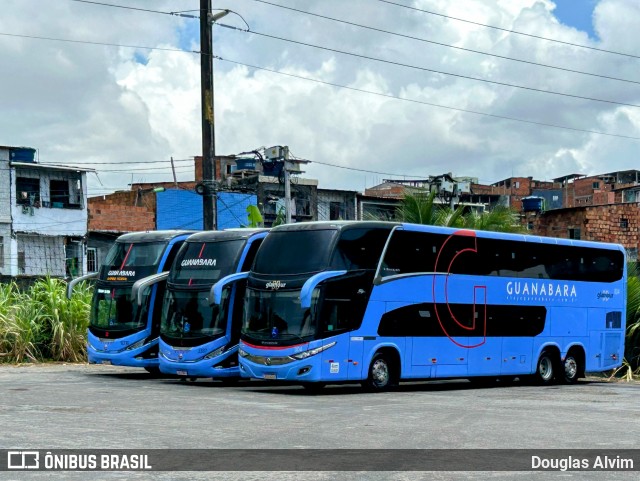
[[121, 332], [380, 303], [196, 338]]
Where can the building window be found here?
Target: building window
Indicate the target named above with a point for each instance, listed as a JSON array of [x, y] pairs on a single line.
[[59, 193], [624, 223], [27, 191], [555, 198], [596, 185], [574, 234], [21, 262], [335, 211], [92, 259], [517, 184]]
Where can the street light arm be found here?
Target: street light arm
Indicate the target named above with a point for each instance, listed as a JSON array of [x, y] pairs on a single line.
[[213, 18]]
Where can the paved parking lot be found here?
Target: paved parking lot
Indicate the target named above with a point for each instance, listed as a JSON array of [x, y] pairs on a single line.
[[105, 407]]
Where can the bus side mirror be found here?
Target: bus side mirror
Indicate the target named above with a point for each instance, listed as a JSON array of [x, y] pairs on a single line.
[[215, 295], [139, 285], [75, 281], [312, 283]]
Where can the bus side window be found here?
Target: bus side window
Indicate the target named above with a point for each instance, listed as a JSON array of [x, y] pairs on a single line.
[[343, 302], [248, 260], [172, 255]]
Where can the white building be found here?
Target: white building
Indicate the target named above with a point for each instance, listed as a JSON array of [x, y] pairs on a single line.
[[43, 216]]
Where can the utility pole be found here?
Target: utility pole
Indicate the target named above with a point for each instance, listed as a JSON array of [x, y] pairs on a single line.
[[208, 131], [287, 186]]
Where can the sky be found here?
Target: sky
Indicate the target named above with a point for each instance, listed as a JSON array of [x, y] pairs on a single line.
[[383, 88]]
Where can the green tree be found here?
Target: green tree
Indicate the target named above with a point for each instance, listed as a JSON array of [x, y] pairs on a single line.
[[421, 208]]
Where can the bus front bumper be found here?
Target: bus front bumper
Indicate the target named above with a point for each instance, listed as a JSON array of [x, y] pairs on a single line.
[[132, 358], [204, 368], [305, 370]]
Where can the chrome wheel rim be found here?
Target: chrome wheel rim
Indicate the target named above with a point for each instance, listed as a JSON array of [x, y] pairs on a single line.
[[380, 372], [570, 367], [545, 369]]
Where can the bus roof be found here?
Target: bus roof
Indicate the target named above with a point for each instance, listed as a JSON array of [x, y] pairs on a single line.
[[513, 236], [224, 235], [335, 224], [152, 236]]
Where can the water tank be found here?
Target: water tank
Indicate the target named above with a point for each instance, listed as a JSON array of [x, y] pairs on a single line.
[[532, 204], [22, 154], [246, 164]]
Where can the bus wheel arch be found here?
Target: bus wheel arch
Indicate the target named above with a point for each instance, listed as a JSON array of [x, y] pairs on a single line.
[[384, 369], [573, 365], [548, 365]]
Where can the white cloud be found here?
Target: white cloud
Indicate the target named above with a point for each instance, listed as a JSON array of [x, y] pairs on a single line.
[[86, 103]]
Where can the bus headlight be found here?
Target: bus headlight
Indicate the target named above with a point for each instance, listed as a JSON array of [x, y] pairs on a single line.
[[135, 345], [312, 352], [242, 353], [215, 353]]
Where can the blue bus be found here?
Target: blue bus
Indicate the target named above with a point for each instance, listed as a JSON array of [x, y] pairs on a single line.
[[196, 338], [381, 302], [121, 332]]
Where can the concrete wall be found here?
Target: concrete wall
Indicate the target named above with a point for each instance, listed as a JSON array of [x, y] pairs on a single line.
[[336, 205], [42, 255], [42, 218]]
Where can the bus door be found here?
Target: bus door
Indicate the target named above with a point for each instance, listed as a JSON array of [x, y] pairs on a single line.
[[606, 338], [343, 302]]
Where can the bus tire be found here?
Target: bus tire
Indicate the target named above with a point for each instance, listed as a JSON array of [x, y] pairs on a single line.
[[545, 370], [571, 369], [381, 374]]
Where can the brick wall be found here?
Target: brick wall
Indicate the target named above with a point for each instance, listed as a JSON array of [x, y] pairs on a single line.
[[618, 223], [126, 211], [197, 160]]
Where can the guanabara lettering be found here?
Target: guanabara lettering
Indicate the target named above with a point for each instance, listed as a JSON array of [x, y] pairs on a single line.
[[122, 273], [541, 289], [198, 262]]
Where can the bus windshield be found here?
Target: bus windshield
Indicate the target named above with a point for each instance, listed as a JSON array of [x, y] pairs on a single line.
[[128, 261], [265, 313], [188, 315], [205, 262], [113, 309], [294, 252]]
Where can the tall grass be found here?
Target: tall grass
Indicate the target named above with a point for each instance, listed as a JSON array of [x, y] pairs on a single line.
[[40, 323]]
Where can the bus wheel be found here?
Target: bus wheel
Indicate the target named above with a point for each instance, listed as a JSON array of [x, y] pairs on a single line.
[[380, 374], [571, 369], [545, 372]]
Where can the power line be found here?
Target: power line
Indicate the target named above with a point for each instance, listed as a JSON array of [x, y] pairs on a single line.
[[431, 104], [179, 14], [424, 69], [504, 57], [503, 117], [509, 31], [53, 39]]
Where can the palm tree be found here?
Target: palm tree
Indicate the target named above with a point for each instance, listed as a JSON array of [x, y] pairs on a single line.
[[420, 208]]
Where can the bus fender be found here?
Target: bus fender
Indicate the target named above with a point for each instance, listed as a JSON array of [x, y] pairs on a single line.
[[372, 352]]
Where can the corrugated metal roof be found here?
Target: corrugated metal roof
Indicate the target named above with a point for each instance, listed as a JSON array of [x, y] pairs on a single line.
[[33, 165]]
